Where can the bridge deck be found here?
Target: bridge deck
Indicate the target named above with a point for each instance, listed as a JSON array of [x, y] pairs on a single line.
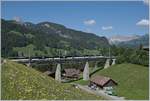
[[86, 58]]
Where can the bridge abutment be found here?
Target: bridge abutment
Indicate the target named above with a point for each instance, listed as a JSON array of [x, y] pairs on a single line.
[[107, 64], [86, 72], [28, 64], [113, 61], [58, 73]]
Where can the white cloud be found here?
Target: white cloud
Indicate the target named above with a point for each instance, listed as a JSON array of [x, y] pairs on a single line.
[[17, 19], [107, 27], [90, 22], [146, 2], [143, 22]]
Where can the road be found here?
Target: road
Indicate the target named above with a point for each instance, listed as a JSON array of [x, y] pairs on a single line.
[[100, 93]]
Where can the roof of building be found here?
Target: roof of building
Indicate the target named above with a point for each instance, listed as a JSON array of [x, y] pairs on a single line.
[[71, 72], [101, 80], [145, 47]]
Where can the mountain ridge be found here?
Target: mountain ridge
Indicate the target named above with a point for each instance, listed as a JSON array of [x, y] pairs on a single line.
[[142, 40], [130, 41], [122, 38], [46, 34]]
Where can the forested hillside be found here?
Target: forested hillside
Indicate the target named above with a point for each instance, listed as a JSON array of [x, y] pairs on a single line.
[[47, 39]]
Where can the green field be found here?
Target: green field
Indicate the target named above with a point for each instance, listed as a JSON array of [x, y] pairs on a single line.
[[21, 82], [133, 80]]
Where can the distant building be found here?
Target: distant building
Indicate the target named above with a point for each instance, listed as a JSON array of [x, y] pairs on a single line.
[[71, 73], [101, 82], [146, 48]]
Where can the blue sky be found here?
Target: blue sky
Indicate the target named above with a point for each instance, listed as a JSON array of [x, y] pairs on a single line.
[[104, 18]]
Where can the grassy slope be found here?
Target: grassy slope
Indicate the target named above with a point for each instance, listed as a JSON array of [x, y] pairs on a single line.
[[21, 82], [81, 81], [132, 80]]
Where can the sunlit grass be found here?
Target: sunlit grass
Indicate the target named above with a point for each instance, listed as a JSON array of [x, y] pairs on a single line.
[[133, 80], [21, 82]]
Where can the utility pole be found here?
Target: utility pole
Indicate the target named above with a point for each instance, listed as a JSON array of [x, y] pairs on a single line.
[[65, 53], [29, 57], [109, 52], [59, 54], [100, 51]]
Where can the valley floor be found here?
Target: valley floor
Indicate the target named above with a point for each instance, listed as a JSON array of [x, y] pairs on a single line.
[[21, 82]]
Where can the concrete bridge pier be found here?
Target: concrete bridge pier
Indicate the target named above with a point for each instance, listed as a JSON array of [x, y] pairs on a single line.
[[86, 74], [113, 61], [58, 73], [107, 64]]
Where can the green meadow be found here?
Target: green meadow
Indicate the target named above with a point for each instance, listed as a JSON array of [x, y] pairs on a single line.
[[133, 80]]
